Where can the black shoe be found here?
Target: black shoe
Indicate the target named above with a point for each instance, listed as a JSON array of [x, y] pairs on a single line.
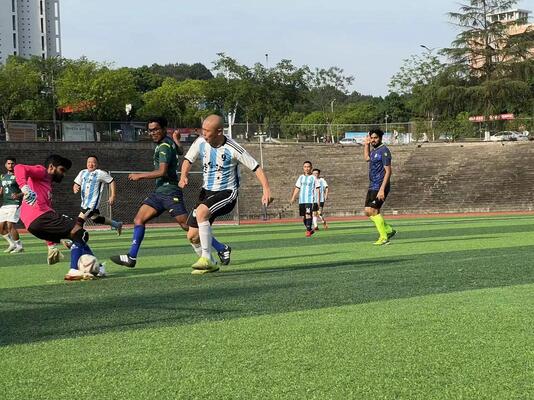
[[391, 234], [124, 259], [224, 255]]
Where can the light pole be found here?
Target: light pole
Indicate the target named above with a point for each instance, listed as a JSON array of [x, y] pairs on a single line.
[[430, 50], [332, 122], [260, 135], [387, 116], [267, 60]]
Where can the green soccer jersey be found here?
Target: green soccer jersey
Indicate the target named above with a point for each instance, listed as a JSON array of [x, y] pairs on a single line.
[[165, 152], [9, 187]]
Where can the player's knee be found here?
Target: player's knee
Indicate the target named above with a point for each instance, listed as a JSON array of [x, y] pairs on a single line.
[[192, 236], [80, 236], [139, 220], [202, 213]]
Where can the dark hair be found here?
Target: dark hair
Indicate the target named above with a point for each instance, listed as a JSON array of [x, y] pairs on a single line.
[[56, 160], [162, 121], [93, 156], [316, 169], [10, 159], [307, 162], [377, 132]]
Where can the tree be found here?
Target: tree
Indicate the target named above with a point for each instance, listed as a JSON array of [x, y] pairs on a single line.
[[99, 92], [482, 44], [19, 82]]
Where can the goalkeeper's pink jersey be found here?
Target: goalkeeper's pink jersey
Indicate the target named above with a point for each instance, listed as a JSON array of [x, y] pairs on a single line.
[[36, 177]]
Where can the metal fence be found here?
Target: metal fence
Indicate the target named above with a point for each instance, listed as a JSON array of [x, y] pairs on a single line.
[[134, 131]]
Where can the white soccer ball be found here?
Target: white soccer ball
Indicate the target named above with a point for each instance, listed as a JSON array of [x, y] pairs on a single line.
[[88, 264]]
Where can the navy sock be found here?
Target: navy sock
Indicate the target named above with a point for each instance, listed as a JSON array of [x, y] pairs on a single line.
[[138, 235], [76, 251], [308, 222], [218, 246]]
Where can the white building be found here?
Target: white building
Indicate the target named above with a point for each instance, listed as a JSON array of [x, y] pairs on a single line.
[[29, 28]]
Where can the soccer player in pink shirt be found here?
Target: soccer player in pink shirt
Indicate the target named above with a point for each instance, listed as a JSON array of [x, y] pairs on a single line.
[[35, 182]]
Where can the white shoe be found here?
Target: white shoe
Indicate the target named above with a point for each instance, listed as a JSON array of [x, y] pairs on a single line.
[[10, 248], [101, 271], [17, 249]]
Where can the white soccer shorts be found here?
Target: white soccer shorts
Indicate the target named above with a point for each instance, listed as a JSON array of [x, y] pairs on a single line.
[[10, 213]]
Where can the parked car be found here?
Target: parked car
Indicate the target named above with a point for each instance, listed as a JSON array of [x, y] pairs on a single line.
[[350, 141], [520, 136], [503, 136]]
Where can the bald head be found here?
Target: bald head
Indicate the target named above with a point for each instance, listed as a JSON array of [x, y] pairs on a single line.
[[213, 121], [212, 130]]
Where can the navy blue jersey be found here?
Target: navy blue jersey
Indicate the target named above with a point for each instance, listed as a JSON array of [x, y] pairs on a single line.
[[380, 158]]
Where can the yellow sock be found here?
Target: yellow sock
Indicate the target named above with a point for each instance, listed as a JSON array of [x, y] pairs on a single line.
[[380, 225], [388, 227]]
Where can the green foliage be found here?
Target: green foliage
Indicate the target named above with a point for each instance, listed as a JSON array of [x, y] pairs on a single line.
[[19, 82]]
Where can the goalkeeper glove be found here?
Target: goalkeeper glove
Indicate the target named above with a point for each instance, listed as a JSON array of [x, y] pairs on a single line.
[[30, 197]]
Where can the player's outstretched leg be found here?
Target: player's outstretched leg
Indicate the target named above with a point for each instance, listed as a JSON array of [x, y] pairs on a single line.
[[129, 260]]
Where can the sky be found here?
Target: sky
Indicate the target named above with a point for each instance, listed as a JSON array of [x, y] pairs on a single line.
[[367, 39]]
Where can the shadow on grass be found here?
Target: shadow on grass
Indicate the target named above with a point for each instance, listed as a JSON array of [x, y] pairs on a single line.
[[49, 312]]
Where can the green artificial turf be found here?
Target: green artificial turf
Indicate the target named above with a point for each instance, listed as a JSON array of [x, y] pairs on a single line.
[[444, 312]]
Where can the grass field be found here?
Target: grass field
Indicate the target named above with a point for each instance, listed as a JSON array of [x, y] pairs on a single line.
[[444, 312]]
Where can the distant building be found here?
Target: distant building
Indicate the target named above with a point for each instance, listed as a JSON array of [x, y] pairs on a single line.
[[517, 21], [29, 28]]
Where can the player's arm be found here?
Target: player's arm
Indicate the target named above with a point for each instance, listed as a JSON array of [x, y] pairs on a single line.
[[184, 173], [22, 174], [112, 192], [366, 148], [294, 195], [326, 193], [382, 190], [77, 183], [157, 173], [266, 198], [176, 139]]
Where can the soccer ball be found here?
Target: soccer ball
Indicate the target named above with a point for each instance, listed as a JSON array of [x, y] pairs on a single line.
[[88, 264]]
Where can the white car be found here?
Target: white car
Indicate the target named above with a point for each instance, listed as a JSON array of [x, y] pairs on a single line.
[[503, 136], [349, 141]]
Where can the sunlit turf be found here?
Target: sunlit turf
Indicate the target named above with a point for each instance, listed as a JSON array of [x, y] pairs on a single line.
[[444, 312]]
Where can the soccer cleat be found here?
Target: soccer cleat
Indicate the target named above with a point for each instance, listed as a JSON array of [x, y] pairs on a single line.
[[76, 275], [124, 259], [224, 255], [316, 228], [381, 242], [119, 228], [204, 266], [101, 271], [391, 234], [10, 248], [54, 255], [67, 243], [309, 233], [17, 249]]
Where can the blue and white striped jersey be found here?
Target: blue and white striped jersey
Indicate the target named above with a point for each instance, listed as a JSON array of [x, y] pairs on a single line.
[[220, 165], [91, 186], [307, 185], [322, 189]]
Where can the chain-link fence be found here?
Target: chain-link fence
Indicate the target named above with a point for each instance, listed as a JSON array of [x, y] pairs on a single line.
[[130, 195], [134, 131]]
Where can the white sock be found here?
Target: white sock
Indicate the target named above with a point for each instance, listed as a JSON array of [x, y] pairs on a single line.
[[204, 231], [197, 248], [7, 236], [18, 243], [314, 221]]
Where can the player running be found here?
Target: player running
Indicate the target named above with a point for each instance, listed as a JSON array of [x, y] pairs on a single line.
[[167, 196], [10, 210], [220, 157], [323, 196], [90, 184], [307, 186], [41, 220], [379, 159]]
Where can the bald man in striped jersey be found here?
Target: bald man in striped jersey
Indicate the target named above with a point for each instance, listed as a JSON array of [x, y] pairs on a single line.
[[220, 157]]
